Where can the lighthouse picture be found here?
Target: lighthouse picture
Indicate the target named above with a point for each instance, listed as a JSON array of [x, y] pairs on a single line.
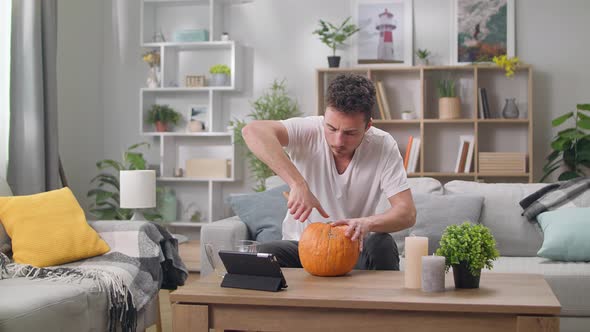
[[385, 35], [385, 28]]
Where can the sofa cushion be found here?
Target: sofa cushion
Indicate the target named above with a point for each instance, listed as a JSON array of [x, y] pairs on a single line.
[[566, 234], [49, 229], [570, 281], [435, 212], [515, 236], [262, 212], [41, 305]]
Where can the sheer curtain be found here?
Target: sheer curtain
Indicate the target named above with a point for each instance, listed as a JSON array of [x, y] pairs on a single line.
[[33, 161], [5, 9]]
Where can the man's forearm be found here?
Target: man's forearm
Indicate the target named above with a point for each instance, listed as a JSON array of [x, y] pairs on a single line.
[[266, 146], [395, 219]]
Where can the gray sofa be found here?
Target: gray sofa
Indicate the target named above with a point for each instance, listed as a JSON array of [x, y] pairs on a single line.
[[38, 305], [517, 239]]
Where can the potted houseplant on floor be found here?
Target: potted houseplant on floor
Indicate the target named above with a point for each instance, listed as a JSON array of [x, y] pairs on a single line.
[[161, 116], [449, 104], [219, 75], [467, 248], [333, 35]]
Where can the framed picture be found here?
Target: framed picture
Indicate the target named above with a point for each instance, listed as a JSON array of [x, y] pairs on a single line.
[[197, 118], [386, 32], [481, 29]]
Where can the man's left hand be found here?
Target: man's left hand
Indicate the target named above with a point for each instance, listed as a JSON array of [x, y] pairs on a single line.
[[357, 229]]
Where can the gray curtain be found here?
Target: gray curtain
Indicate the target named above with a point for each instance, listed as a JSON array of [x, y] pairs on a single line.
[[33, 157]]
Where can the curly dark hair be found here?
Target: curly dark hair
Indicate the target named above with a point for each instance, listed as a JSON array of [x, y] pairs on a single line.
[[351, 93]]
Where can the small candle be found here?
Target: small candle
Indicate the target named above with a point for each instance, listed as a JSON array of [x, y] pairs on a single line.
[[433, 273], [416, 247]]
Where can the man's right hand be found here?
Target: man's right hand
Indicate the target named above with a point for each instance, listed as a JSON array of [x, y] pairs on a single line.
[[302, 201]]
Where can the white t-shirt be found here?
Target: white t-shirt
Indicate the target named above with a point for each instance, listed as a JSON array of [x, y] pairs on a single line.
[[375, 169]]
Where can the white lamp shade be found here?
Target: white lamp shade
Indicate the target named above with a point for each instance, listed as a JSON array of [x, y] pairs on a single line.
[[138, 189]]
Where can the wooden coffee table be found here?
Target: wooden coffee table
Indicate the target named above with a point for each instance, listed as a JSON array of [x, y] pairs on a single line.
[[368, 301]]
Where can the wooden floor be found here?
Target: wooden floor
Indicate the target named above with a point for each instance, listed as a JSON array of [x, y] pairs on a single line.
[[191, 256]]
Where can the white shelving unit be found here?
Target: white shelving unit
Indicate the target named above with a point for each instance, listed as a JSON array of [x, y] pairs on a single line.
[[177, 60]]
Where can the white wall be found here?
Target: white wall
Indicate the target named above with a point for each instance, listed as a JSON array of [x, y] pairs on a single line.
[[279, 44], [5, 22]]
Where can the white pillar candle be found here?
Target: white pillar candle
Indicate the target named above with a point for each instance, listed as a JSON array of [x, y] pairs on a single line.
[[433, 273], [415, 247]]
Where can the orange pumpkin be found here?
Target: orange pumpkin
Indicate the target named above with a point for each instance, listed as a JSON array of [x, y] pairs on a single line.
[[325, 251]]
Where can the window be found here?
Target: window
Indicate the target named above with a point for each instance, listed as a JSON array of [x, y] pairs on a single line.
[[5, 24]]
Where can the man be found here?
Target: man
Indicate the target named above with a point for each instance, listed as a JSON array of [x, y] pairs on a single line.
[[338, 169]]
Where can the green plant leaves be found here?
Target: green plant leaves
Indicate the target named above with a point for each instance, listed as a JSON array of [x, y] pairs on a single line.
[[274, 104], [332, 36], [471, 243], [572, 143], [561, 119]]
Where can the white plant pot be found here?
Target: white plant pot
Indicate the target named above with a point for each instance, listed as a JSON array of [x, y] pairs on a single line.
[[408, 116], [219, 79]]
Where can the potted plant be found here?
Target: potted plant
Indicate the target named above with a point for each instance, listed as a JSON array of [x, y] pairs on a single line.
[[508, 64], [274, 104], [333, 36], [408, 115], [152, 58], [571, 146], [219, 75], [449, 105], [423, 56], [467, 248], [161, 116]]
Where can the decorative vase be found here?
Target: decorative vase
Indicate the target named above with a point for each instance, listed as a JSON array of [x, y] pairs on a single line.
[[168, 204], [449, 108], [463, 277], [153, 80], [219, 79], [161, 126], [334, 61], [408, 115], [510, 110]]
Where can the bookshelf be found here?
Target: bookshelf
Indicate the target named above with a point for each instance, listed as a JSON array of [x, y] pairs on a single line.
[[414, 88]]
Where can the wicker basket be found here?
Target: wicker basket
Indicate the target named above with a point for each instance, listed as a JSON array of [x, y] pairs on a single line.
[[449, 108]]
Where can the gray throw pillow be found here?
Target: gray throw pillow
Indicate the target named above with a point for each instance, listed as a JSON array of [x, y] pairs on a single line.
[[435, 212], [263, 212], [5, 246]]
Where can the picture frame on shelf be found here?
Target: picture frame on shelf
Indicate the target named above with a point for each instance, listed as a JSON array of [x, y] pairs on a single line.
[[481, 29], [197, 116], [386, 32]]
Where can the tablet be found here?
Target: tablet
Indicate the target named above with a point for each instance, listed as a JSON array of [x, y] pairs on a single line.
[[259, 271]]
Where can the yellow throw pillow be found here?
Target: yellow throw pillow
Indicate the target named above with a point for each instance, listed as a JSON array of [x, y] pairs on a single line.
[[49, 229]]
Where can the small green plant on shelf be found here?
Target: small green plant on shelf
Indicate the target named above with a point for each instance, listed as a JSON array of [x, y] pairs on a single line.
[[105, 196], [423, 55], [446, 88], [274, 104], [161, 116], [220, 69], [468, 243], [571, 146]]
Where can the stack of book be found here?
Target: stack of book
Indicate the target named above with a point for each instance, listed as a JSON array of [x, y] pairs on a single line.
[[484, 106], [465, 154], [502, 162], [412, 154]]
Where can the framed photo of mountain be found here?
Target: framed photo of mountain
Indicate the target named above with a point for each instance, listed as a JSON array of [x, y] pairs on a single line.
[[481, 29]]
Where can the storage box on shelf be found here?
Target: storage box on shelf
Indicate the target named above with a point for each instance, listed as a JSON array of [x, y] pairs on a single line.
[[187, 34], [415, 88]]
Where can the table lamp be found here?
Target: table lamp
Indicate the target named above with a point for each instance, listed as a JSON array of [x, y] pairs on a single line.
[[138, 191]]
